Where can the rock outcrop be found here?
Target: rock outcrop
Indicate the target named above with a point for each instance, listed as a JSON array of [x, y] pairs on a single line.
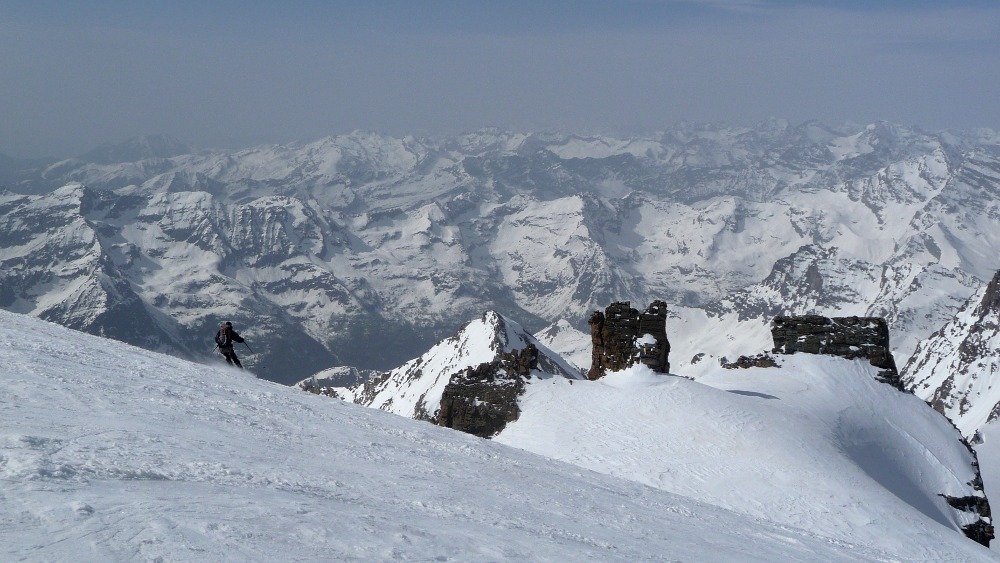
[[981, 530], [481, 400], [414, 389], [847, 337], [621, 337], [745, 362]]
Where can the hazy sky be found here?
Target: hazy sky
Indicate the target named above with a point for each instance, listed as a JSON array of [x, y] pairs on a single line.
[[223, 74]]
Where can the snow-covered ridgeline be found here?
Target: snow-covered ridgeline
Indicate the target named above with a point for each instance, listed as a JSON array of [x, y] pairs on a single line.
[[817, 443], [956, 368], [414, 389], [108, 452]]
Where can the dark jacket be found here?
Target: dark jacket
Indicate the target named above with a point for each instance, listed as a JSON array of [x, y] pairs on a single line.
[[226, 336]]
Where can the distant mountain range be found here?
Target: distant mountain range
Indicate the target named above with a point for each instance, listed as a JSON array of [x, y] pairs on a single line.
[[364, 250], [362, 259]]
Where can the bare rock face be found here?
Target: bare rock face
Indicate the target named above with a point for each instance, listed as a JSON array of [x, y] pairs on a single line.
[[981, 530], [746, 362], [481, 400], [847, 337], [621, 336]]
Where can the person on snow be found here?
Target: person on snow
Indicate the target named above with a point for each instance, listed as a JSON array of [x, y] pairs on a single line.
[[225, 338]]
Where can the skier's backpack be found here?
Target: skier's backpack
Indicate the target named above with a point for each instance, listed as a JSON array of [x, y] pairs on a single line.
[[223, 338]]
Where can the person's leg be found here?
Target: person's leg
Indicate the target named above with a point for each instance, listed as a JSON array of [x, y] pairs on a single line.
[[236, 360], [228, 359]]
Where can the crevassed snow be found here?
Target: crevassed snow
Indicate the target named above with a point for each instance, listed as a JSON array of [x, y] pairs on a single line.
[[112, 453]]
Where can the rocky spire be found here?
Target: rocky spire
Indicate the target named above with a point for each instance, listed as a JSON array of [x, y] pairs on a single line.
[[621, 336]]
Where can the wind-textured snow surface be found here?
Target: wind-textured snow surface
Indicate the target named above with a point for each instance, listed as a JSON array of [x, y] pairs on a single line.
[[112, 453], [817, 444]]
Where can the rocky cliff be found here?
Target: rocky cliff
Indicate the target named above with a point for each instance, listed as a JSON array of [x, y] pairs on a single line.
[[622, 336], [486, 346], [481, 400], [847, 337]]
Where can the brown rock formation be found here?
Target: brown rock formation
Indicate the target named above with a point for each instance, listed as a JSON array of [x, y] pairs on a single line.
[[483, 399], [746, 362], [621, 336]]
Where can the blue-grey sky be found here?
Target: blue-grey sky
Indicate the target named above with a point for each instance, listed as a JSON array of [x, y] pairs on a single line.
[[224, 74]]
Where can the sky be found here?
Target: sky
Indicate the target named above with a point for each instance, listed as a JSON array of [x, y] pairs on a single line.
[[226, 74]]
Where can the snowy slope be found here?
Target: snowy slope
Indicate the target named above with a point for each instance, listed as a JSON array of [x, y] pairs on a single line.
[[816, 444], [111, 453], [569, 343]]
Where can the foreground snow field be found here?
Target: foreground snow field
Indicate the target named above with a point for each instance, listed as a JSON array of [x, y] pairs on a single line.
[[112, 453]]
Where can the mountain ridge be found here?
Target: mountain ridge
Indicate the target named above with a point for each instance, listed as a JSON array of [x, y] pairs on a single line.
[[414, 389], [848, 399], [954, 368], [333, 243]]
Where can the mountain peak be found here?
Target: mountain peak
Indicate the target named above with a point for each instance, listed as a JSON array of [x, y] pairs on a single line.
[[137, 148], [415, 389]]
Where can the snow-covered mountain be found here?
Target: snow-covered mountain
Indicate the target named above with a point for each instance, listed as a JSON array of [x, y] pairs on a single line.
[[956, 369], [415, 389], [321, 252], [110, 452], [571, 344], [815, 412]]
